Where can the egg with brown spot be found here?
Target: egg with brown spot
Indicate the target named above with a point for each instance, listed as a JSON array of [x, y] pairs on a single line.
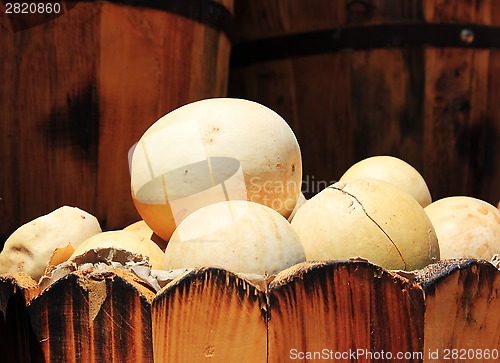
[[30, 247], [466, 227], [213, 150]]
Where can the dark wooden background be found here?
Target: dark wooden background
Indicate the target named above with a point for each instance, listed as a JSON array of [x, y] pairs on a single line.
[[435, 107], [78, 91]]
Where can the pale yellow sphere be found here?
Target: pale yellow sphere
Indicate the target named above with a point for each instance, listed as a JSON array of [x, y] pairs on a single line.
[[140, 228], [144, 231], [394, 171], [124, 240], [466, 227], [370, 219], [240, 236], [214, 150]]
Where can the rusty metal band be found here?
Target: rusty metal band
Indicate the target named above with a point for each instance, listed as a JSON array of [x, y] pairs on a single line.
[[366, 38]]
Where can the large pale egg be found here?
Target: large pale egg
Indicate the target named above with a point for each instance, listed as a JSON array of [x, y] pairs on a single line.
[[30, 248], [240, 236], [367, 218], [392, 170], [214, 150], [466, 227]]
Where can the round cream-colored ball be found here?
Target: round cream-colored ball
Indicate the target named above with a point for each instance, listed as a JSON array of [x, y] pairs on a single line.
[[394, 171], [240, 236], [370, 219], [124, 240], [140, 228], [29, 248], [214, 150], [143, 230], [466, 227]]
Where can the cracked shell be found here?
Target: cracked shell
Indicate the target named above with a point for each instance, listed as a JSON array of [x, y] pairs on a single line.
[[370, 219], [124, 240]]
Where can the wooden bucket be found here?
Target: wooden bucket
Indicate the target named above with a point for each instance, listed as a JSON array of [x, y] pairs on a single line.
[[415, 79], [332, 311], [78, 90]]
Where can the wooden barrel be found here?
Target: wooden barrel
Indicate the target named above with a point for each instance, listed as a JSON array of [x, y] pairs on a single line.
[[415, 79], [79, 89]]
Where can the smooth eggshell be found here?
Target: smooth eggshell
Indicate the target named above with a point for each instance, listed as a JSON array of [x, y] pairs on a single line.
[[394, 171], [214, 150], [241, 236], [143, 230]]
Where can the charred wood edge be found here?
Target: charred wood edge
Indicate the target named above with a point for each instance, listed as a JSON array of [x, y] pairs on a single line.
[[245, 289], [426, 278], [365, 38], [315, 271], [18, 341], [210, 13], [432, 275], [46, 306], [21, 283], [300, 270], [115, 276]]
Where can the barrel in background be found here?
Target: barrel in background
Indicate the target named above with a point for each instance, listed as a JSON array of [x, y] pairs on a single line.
[[362, 78], [78, 91]]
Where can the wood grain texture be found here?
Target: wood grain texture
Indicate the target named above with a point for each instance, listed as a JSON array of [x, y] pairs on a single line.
[[462, 311], [472, 11], [86, 317], [168, 61], [213, 315], [456, 120], [9, 180], [79, 91], [43, 136], [461, 108], [258, 19], [343, 307], [210, 315], [490, 147], [435, 108], [17, 343]]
